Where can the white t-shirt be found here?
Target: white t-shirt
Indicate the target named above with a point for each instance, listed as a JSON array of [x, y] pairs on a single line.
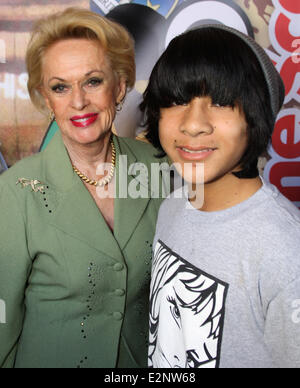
[[225, 289]]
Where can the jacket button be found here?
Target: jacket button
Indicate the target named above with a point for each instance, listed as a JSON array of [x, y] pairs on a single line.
[[118, 316], [119, 292], [118, 267]]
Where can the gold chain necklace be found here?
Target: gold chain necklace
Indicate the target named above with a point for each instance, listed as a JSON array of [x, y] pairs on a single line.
[[103, 181]]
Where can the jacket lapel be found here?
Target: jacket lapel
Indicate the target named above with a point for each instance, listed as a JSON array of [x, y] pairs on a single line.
[[130, 181], [76, 214]]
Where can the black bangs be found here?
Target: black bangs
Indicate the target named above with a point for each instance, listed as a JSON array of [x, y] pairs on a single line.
[[183, 73], [215, 63]]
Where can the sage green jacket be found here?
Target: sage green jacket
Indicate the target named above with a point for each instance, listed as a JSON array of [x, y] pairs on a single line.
[[74, 293]]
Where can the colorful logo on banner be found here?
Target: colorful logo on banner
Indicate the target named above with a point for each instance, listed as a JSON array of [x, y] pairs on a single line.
[[283, 169], [186, 13], [194, 13], [164, 7]]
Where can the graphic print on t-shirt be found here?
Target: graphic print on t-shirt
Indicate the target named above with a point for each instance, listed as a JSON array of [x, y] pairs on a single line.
[[187, 309]]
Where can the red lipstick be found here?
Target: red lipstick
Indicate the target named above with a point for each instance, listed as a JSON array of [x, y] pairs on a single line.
[[84, 121]]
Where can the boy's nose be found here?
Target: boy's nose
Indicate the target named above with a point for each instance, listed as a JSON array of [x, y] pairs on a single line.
[[196, 120]]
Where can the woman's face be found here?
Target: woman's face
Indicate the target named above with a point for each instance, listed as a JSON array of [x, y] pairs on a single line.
[[81, 88]]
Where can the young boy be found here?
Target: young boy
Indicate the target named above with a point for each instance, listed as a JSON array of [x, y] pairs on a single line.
[[225, 288]]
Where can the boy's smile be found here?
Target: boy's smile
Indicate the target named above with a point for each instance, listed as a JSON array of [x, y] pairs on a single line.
[[195, 153], [200, 132]]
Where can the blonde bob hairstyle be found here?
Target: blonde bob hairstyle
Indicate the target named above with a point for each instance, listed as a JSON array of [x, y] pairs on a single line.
[[79, 24]]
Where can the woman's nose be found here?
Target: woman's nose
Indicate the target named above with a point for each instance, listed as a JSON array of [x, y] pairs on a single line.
[[196, 120], [78, 98]]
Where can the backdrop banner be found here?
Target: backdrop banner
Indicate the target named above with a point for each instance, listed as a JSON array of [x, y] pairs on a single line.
[[275, 24]]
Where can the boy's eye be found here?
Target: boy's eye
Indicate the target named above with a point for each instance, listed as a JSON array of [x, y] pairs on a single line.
[[221, 106], [179, 103], [218, 105]]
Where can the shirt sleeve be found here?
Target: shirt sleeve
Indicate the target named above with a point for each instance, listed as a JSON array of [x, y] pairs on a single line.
[[282, 327], [15, 267]]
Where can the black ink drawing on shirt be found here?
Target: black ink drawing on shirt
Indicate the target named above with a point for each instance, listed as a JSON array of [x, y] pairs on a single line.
[[187, 309]]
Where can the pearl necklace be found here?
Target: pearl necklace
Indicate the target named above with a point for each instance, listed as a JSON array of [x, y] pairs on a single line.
[[103, 181]]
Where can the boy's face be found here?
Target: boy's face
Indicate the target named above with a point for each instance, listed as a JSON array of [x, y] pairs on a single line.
[[200, 132]]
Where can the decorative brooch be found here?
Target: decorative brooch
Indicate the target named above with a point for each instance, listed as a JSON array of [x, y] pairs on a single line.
[[35, 184]]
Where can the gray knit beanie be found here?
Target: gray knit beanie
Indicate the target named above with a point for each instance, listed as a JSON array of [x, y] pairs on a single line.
[[272, 77]]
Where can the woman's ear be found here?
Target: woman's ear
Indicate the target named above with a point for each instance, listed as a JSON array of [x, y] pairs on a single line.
[[42, 92], [122, 89]]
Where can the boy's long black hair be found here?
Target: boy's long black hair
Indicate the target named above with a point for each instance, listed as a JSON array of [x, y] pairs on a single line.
[[218, 64]]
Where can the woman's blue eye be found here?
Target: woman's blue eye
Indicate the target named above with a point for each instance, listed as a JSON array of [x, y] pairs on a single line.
[[94, 82], [59, 88]]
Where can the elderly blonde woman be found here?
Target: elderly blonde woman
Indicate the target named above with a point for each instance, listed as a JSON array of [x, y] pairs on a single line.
[[74, 262]]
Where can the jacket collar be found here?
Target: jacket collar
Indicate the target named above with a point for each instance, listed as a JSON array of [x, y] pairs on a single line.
[[57, 165]]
